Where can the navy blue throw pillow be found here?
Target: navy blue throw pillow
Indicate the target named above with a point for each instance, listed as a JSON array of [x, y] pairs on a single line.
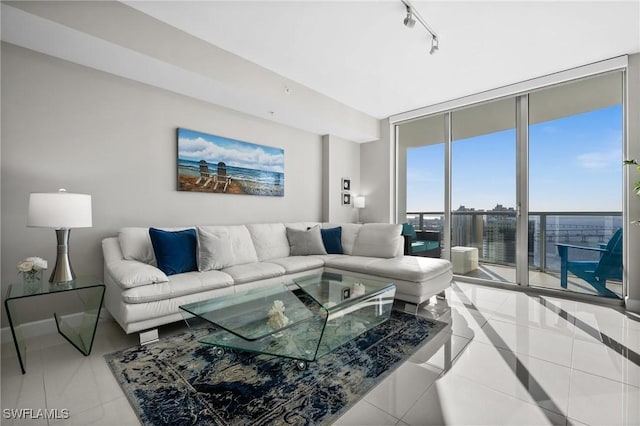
[[175, 250], [332, 239]]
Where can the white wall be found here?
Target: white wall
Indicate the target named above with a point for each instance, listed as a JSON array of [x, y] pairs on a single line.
[[377, 171], [341, 159], [67, 126]]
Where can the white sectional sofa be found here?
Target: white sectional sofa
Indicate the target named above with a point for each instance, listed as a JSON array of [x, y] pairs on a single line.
[[141, 297]]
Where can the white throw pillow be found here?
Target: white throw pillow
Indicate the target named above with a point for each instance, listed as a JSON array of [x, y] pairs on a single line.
[[378, 240], [215, 250], [136, 245], [305, 242]]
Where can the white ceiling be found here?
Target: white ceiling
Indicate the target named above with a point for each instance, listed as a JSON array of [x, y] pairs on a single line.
[[360, 53], [347, 63]]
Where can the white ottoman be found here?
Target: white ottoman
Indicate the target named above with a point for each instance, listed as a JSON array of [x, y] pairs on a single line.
[[464, 259]]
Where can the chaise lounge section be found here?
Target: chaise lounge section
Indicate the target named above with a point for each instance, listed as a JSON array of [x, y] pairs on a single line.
[[140, 296]]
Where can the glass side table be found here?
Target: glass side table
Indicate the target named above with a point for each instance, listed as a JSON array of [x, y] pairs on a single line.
[[89, 290]]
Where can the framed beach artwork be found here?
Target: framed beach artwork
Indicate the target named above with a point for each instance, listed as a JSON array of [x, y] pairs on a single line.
[[210, 163]]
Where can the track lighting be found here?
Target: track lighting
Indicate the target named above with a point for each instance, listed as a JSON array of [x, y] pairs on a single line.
[[434, 45], [410, 21]]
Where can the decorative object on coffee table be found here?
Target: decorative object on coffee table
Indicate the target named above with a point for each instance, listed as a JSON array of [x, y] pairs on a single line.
[[277, 318], [62, 211]]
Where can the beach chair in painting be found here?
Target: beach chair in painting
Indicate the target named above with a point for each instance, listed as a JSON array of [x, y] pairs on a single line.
[[221, 177], [596, 273], [205, 174]]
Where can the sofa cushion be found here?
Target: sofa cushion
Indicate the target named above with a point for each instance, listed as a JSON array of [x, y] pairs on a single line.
[[293, 264], [240, 243], [351, 263], [379, 240], [254, 271], [175, 251], [408, 268], [349, 234], [270, 240], [215, 250], [305, 242], [178, 285]]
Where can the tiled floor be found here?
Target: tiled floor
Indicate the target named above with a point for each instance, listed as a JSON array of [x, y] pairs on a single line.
[[508, 358]]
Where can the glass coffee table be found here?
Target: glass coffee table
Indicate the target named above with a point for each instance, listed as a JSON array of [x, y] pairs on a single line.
[[322, 313]]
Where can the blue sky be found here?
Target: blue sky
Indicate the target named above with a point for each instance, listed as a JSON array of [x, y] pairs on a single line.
[[575, 164], [198, 146]]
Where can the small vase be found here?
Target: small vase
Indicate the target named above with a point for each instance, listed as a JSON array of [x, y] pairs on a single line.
[[32, 280]]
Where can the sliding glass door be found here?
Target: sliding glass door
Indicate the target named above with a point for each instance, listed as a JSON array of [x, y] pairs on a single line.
[[483, 191], [575, 186], [422, 153], [525, 189]]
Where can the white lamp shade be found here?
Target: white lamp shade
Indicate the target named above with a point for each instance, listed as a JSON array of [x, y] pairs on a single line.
[[358, 202], [59, 210]]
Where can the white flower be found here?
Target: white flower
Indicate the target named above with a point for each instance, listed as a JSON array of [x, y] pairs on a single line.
[[32, 264]]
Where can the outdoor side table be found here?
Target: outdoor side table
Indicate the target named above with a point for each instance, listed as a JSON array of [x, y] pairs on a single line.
[[90, 292]]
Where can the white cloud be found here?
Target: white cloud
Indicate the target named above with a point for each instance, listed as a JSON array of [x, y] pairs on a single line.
[[200, 149], [600, 160]]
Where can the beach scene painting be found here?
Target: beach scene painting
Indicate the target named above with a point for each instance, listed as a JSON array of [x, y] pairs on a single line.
[[210, 163]]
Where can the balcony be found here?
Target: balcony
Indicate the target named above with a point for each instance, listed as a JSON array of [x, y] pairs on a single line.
[[493, 233]]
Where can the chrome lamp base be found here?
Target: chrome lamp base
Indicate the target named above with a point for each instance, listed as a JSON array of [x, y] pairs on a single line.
[[62, 271]]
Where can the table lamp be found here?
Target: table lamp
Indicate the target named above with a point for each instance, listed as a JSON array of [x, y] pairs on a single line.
[[60, 210], [358, 202]]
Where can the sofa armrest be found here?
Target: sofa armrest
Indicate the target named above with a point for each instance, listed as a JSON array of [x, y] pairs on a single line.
[[128, 273]]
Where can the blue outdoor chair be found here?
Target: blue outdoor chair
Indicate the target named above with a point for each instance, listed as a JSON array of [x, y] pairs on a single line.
[[423, 244], [596, 273]]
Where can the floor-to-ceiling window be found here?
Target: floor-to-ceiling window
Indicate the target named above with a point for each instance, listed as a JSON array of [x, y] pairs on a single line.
[[575, 185], [568, 236], [421, 151], [483, 190]]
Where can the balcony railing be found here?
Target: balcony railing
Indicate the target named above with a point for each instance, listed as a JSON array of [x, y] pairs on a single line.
[[494, 233]]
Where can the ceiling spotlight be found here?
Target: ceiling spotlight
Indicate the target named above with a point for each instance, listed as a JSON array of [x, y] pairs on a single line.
[[434, 45], [409, 22], [412, 16]]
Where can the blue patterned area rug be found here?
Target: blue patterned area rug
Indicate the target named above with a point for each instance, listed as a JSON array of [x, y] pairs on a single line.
[[179, 381]]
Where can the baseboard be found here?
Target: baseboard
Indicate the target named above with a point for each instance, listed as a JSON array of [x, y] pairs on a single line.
[[46, 326]]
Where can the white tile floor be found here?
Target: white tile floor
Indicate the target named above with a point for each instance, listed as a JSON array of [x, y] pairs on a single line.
[[507, 358]]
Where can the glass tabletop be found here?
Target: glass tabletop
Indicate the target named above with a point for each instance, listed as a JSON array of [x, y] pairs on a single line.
[[18, 289], [336, 291], [253, 314]]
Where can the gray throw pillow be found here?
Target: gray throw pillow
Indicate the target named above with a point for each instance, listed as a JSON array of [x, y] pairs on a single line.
[[307, 242]]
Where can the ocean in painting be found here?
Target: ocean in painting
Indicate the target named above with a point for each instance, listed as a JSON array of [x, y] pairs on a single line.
[[252, 181]]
